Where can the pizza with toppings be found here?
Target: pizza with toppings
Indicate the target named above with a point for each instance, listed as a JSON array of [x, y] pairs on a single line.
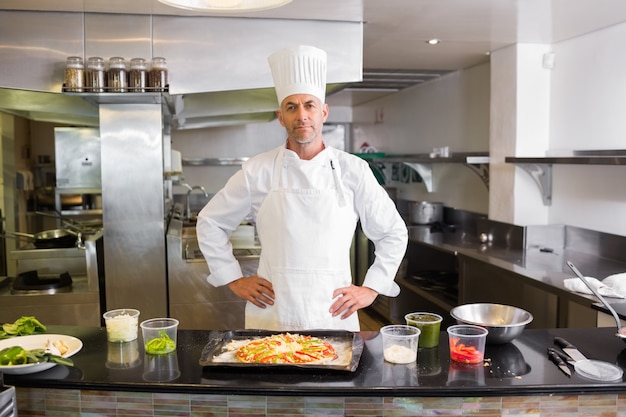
[[286, 348]]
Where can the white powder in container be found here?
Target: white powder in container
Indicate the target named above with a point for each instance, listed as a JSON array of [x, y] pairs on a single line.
[[399, 354]]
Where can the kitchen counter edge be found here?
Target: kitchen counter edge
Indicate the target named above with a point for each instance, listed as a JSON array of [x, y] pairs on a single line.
[[374, 376]]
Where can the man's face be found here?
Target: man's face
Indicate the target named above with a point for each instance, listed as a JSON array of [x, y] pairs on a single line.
[[303, 116]]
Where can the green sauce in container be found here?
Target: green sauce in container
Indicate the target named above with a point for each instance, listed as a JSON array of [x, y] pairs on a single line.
[[429, 325]]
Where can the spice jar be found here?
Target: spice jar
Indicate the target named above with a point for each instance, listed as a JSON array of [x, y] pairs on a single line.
[[74, 74], [94, 75], [158, 75], [137, 75], [116, 77]]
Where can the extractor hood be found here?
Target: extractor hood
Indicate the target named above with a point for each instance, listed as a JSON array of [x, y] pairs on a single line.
[[48, 107], [201, 110]]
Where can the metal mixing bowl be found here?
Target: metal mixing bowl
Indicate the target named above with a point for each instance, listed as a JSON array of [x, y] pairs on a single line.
[[504, 322]]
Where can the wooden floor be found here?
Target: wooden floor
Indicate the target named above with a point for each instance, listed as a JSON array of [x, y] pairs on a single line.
[[371, 320]]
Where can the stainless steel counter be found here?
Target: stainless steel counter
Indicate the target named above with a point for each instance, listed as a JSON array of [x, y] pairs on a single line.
[[79, 306], [539, 267]]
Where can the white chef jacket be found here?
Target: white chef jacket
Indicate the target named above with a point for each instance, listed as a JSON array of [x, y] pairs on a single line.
[[245, 191]]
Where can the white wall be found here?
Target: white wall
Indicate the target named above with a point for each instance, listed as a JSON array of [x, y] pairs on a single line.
[[451, 111], [520, 123], [588, 111], [587, 104]]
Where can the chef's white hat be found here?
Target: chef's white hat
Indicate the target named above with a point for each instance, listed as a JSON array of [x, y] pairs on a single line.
[[299, 70]]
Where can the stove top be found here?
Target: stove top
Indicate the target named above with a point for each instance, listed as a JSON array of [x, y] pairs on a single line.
[[30, 282]]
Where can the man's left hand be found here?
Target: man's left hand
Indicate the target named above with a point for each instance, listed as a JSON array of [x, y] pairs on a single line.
[[350, 299]]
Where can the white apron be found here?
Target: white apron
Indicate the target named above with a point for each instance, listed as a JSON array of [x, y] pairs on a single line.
[[305, 236]]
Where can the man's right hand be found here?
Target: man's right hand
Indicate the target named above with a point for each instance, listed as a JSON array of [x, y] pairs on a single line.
[[255, 289]]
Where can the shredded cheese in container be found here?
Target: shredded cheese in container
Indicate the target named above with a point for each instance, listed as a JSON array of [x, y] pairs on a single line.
[[122, 328]]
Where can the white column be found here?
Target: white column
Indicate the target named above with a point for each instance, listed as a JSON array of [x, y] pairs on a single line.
[[519, 126]]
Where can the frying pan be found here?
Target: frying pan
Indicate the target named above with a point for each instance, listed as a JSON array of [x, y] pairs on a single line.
[[49, 239], [80, 226]]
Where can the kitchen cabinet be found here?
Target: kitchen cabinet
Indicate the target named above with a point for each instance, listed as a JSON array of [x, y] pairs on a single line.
[[429, 283], [540, 168]]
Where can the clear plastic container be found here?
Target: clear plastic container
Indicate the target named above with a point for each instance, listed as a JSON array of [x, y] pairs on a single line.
[[137, 75], [159, 335], [400, 343], [74, 74], [429, 325], [117, 81], [121, 324], [95, 81], [467, 343], [158, 79]]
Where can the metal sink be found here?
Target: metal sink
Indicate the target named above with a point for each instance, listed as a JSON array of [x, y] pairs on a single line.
[[244, 247]]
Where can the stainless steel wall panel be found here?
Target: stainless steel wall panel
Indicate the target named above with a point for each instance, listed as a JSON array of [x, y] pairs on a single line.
[[133, 212], [203, 53], [128, 36], [221, 54], [34, 46]]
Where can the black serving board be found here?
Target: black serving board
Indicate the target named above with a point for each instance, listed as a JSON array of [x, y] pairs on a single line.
[[218, 340]]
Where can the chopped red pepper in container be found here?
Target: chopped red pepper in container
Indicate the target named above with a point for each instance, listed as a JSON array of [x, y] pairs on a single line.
[[467, 343]]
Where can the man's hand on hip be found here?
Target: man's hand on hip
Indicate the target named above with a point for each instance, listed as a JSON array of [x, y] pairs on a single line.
[[350, 299], [255, 289]]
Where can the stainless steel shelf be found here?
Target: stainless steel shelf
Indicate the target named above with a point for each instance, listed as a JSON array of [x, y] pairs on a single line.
[[478, 162], [85, 212], [168, 103], [570, 160], [454, 158], [213, 161], [540, 168]]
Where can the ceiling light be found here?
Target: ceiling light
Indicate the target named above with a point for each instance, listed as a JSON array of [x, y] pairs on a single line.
[[433, 41], [226, 6]]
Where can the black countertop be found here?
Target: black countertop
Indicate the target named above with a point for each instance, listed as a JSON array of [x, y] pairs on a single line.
[[517, 368]]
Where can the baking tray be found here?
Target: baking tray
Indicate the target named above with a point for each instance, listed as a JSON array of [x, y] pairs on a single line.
[[219, 351]]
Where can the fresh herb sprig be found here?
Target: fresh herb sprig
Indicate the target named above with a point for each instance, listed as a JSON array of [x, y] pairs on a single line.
[[161, 345]]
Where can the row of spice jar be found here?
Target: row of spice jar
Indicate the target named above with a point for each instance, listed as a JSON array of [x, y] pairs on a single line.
[[117, 77]]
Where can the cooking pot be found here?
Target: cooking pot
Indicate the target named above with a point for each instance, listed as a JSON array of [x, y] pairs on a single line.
[[425, 212], [49, 239]]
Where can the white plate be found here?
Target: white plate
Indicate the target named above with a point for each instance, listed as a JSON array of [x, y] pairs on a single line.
[[38, 341], [599, 370]]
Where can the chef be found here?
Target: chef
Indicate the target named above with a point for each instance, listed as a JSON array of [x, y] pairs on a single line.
[[305, 198]]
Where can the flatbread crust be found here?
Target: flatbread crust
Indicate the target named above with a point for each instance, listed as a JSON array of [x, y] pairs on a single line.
[[286, 348]]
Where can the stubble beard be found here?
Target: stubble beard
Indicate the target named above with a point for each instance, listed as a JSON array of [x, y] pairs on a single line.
[[303, 139]]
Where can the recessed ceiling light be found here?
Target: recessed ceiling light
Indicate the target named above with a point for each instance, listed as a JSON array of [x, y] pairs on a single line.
[[433, 41], [226, 6]]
